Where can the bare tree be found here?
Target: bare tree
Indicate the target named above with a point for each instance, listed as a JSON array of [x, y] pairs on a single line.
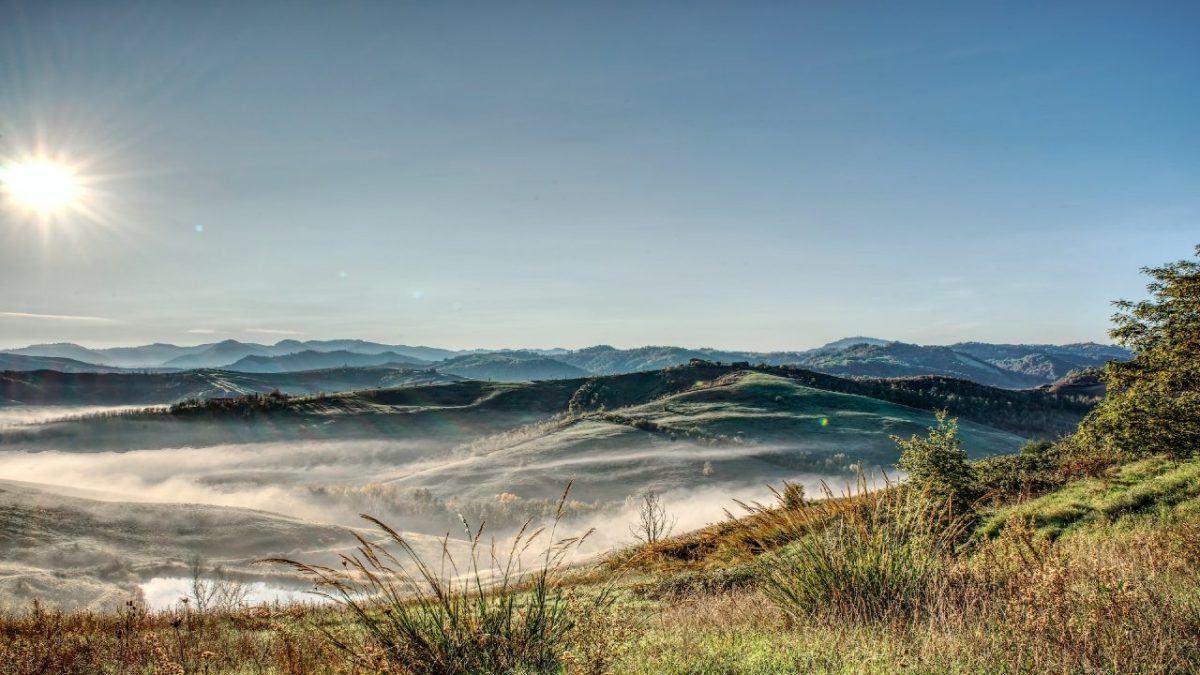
[[213, 590], [653, 523]]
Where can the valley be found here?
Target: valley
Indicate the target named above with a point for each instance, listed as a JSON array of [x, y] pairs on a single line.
[[420, 449]]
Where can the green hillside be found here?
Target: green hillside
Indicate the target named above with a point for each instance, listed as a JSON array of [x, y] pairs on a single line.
[[59, 388], [745, 428], [449, 414], [1153, 487], [516, 366]]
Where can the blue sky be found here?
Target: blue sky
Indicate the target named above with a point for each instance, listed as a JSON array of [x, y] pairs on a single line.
[[746, 175]]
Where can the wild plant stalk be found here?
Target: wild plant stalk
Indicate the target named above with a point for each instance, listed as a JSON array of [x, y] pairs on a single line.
[[490, 615], [862, 556]]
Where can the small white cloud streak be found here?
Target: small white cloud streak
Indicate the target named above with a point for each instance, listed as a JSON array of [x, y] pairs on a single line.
[[201, 331], [57, 317], [273, 331]]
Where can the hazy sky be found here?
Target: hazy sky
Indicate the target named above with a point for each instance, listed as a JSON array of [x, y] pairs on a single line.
[[756, 175]]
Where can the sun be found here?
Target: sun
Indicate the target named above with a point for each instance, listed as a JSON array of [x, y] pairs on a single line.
[[41, 186]]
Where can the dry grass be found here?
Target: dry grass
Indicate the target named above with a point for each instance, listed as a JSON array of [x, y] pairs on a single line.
[[868, 557], [253, 640], [1117, 600], [1112, 596], [502, 609]]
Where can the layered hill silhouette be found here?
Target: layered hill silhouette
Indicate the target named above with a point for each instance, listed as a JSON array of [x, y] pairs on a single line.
[[449, 413], [313, 360], [52, 387], [218, 354], [61, 364], [1000, 365], [510, 367]]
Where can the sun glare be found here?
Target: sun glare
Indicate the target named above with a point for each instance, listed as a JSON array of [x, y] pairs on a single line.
[[42, 186]]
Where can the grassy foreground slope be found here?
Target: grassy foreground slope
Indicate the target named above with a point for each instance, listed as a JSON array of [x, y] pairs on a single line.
[[1116, 591], [1112, 585], [1154, 487]]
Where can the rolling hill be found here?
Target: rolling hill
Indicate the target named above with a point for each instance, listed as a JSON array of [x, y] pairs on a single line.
[[744, 428], [22, 362], [1007, 366], [1084, 382], [56, 388], [409, 352], [606, 360], [510, 367], [897, 359], [447, 415], [65, 350], [146, 356], [219, 354], [314, 360]]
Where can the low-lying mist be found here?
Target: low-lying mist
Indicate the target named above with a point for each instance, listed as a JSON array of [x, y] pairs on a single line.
[[418, 488], [268, 476], [18, 416]]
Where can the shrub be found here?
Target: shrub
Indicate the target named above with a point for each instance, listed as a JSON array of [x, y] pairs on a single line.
[[875, 556], [491, 615], [1035, 469], [937, 464], [792, 495]]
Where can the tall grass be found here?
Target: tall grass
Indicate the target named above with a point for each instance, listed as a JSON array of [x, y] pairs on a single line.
[[500, 610], [864, 557]]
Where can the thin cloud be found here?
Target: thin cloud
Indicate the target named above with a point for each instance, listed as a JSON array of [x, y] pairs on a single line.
[[273, 331], [57, 317], [202, 331]]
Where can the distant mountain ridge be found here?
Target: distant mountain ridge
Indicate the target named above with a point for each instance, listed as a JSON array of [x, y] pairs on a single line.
[[898, 359], [314, 360], [26, 363], [514, 366], [219, 354], [65, 350], [1011, 366]]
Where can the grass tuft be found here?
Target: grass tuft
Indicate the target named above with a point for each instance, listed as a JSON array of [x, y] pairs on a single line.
[[500, 610], [873, 556]]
